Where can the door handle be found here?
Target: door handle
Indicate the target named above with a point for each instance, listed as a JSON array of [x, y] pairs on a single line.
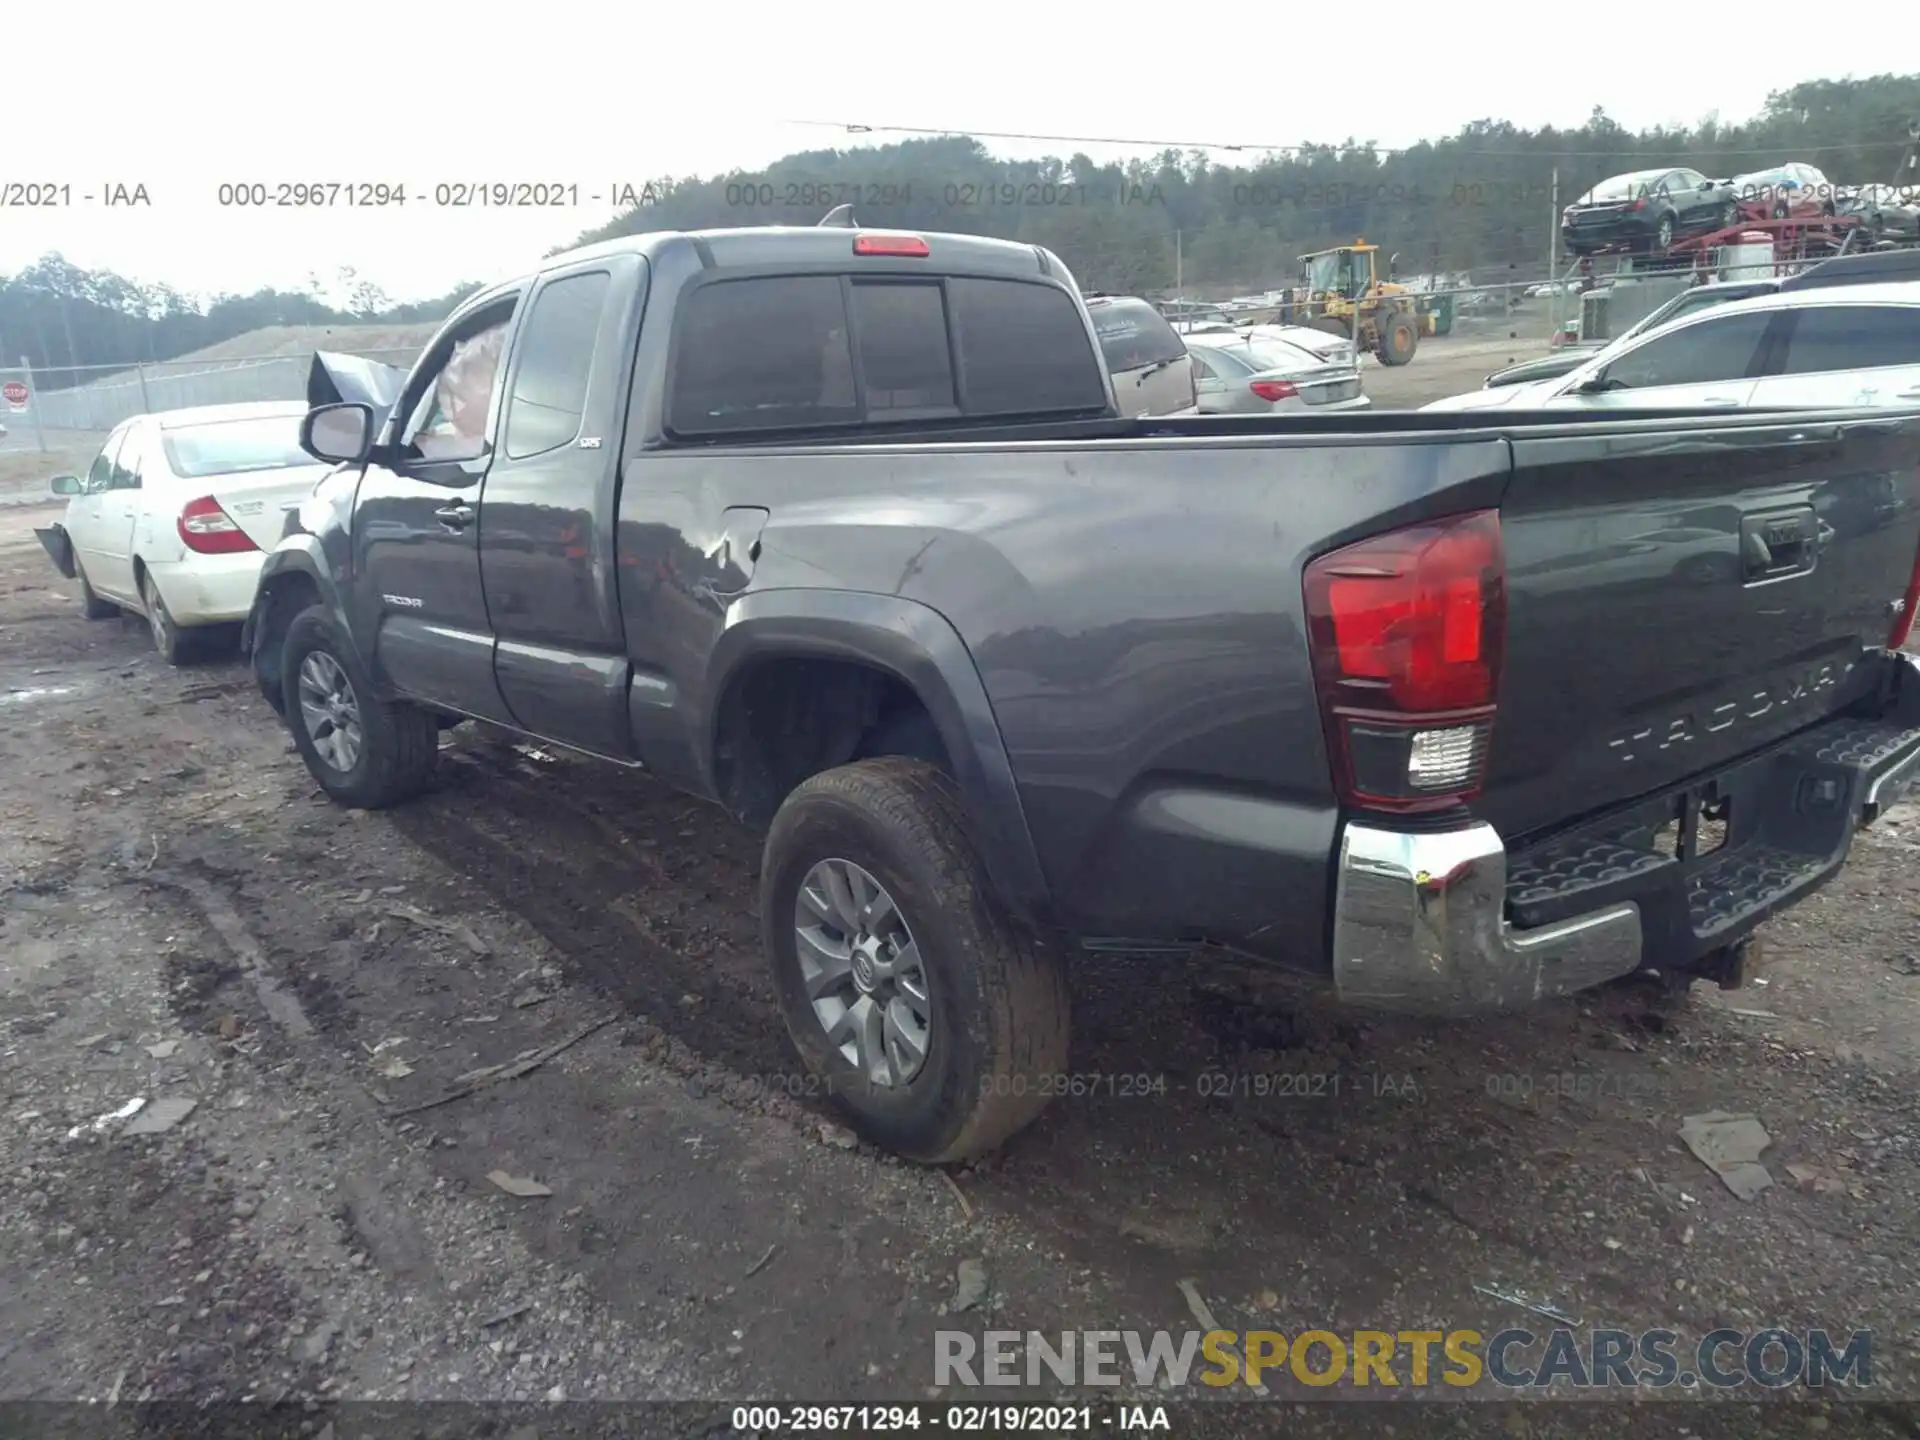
[[1721, 400], [455, 517]]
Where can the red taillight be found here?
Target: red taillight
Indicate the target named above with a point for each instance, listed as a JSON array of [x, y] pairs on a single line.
[[1903, 622], [1406, 630], [890, 245], [1639, 204], [208, 530], [1274, 389]]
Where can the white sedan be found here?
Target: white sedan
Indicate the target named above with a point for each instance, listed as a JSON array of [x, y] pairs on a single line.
[[173, 517], [1839, 346]]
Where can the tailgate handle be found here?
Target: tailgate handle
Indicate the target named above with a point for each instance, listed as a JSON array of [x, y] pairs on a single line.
[[1782, 543]]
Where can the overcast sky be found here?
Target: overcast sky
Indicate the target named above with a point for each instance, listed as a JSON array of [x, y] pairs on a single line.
[[182, 97]]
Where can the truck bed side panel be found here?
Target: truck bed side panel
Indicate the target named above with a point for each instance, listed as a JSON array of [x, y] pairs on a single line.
[[1133, 609]]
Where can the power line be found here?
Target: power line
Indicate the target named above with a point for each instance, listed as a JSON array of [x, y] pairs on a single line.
[[1298, 149]]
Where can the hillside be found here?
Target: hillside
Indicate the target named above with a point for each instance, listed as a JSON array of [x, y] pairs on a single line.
[[299, 341]]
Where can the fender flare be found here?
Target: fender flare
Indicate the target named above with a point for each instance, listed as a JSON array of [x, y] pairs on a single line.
[[296, 555], [918, 646]]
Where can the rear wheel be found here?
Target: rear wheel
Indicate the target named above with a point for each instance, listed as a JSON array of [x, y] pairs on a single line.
[[930, 1018], [91, 605], [173, 643], [363, 751], [1399, 338]]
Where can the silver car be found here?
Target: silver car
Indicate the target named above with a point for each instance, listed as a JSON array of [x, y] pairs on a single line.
[[1258, 375]]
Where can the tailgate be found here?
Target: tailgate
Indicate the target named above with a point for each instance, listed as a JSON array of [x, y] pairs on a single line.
[[1678, 596]]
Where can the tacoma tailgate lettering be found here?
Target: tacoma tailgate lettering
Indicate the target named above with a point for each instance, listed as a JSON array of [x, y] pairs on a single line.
[[1682, 728]]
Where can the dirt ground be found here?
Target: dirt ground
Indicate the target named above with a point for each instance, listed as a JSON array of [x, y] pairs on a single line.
[[184, 919]]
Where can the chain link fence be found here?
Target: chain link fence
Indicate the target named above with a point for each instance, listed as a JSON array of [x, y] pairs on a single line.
[[51, 406]]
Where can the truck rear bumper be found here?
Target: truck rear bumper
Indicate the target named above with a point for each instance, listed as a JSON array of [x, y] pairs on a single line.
[[1450, 923]]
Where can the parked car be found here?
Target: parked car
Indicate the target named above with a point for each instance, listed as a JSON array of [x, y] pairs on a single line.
[[1856, 345], [1794, 191], [172, 518], [1247, 374], [1330, 348], [1570, 357], [1648, 210], [1152, 373], [1885, 211], [846, 533]]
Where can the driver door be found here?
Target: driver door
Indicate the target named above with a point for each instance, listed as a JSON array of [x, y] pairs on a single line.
[[86, 520], [416, 531], [1711, 362]]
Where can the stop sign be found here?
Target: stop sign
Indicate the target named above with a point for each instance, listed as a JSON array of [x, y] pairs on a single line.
[[15, 394]]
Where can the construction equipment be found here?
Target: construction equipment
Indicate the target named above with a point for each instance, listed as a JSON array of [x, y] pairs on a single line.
[[1341, 291]]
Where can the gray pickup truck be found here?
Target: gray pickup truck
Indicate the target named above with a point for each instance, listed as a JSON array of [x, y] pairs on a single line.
[[842, 531]]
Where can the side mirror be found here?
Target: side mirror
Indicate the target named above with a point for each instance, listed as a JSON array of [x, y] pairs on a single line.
[[65, 485], [1594, 384], [341, 433], [1705, 185]]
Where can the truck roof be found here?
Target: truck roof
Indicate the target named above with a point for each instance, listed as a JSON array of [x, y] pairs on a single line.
[[752, 247]]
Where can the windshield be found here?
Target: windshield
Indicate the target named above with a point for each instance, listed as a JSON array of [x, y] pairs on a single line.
[[1329, 272], [1624, 187], [227, 447], [1132, 334]]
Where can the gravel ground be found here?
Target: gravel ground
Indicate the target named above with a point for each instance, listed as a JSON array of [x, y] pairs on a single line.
[[183, 920]]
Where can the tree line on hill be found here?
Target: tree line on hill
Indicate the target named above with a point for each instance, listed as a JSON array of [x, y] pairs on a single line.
[[1482, 200]]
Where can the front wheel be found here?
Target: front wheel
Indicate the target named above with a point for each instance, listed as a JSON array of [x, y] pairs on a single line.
[[1399, 338], [1663, 234], [363, 751], [929, 1017]]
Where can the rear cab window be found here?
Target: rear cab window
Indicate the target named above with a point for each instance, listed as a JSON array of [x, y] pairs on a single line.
[[809, 352]]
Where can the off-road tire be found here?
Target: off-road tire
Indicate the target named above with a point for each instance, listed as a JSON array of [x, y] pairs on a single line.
[[399, 742], [1399, 338], [91, 605], [1001, 1013], [174, 645]]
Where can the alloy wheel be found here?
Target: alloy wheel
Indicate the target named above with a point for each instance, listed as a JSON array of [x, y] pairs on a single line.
[[863, 973], [330, 710]]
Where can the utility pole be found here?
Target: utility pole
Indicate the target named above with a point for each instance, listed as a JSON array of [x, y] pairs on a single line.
[[1553, 229], [33, 404], [1179, 266]]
